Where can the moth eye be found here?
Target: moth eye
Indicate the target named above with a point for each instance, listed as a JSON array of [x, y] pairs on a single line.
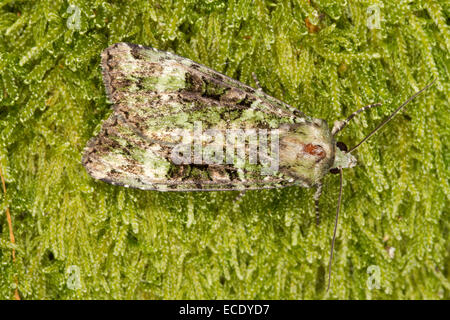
[[342, 146], [334, 170]]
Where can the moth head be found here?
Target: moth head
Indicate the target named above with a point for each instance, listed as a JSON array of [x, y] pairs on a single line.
[[342, 159]]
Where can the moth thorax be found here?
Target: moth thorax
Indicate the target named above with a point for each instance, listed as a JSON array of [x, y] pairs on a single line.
[[306, 151]]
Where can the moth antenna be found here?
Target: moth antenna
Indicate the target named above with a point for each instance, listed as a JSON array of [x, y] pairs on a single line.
[[393, 114], [342, 124], [335, 226]]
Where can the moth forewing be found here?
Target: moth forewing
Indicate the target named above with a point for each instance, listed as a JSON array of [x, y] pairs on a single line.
[[165, 104]]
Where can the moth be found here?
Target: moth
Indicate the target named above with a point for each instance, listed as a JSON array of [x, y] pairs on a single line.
[[178, 125]]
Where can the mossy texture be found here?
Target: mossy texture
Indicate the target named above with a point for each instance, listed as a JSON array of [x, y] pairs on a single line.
[[120, 243]]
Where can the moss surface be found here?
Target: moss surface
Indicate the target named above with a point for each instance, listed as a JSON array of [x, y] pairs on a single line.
[[79, 238]]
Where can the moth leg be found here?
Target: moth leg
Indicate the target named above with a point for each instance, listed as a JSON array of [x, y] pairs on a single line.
[[237, 200], [339, 125], [316, 201], [257, 81], [240, 195]]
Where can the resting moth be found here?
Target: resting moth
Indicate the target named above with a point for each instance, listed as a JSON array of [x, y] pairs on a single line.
[[160, 99]]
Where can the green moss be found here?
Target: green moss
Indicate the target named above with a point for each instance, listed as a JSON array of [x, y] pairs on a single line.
[[136, 244]]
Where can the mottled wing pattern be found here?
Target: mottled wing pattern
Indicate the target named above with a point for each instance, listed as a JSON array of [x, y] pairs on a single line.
[[155, 94]]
